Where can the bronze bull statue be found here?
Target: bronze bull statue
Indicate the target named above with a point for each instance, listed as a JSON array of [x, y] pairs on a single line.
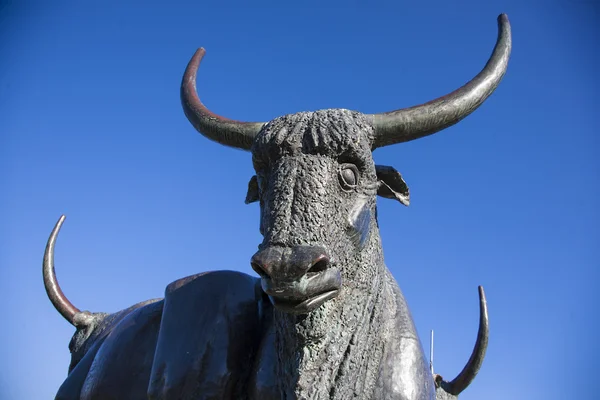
[[326, 318]]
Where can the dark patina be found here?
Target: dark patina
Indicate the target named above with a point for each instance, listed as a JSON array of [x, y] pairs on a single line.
[[326, 319]]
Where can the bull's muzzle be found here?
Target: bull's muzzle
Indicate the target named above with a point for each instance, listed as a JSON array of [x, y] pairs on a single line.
[[297, 279]]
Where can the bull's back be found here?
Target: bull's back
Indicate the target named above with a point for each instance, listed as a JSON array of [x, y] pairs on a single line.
[[194, 344]]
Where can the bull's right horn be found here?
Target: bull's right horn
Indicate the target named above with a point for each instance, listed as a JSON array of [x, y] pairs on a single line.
[[56, 295], [222, 130]]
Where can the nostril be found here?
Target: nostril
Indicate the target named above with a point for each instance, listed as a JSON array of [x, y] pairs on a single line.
[[259, 269], [321, 264]]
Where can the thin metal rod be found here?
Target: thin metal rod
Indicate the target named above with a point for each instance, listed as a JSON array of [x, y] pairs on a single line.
[[431, 352]]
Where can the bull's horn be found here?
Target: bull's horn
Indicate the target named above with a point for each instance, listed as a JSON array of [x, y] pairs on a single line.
[[466, 376], [425, 119], [58, 299], [222, 130]]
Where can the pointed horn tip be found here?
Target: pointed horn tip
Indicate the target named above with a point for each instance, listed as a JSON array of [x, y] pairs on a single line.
[[482, 298], [194, 63], [503, 25], [59, 223], [504, 28], [200, 52]]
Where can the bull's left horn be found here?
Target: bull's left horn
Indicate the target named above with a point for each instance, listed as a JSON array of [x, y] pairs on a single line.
[[425, 119], [464, 379], [222, 130], [56, 295]]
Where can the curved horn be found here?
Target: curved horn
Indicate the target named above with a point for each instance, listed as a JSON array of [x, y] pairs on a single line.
[[222, 130], [466, 376], [425, 119], [58, 299]]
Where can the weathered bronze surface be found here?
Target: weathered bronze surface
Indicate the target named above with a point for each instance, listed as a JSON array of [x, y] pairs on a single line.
[[326, 319]]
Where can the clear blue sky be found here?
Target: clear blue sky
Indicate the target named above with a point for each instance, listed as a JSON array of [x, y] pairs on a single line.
[[91, 126]]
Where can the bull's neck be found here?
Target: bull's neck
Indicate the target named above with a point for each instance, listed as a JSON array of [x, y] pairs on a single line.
[[335, 350]]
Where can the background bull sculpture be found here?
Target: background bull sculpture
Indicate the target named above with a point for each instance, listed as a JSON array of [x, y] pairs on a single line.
[[326, 319]]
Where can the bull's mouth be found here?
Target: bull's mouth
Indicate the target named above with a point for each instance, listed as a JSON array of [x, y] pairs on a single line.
[[303, 307], [304, 295]]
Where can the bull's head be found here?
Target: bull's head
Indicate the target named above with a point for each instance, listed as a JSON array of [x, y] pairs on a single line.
[[316, 180], [316, 183]]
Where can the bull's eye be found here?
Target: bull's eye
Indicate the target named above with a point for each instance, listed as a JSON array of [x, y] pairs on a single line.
[[348, 174]]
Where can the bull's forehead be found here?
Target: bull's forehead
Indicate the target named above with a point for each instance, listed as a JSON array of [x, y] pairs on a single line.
[[334, 133]]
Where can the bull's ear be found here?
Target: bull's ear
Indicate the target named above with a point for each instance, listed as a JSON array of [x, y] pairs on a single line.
[[391, 184], [252, 194]]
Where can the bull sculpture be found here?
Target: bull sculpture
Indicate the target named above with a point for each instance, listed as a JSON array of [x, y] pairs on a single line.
[[326, 319]]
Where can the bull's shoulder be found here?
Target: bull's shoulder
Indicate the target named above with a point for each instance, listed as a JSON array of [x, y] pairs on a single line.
[[210, 330], [403, 372]]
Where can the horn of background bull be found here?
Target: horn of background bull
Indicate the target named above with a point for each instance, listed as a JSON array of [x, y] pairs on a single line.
[[58, 299], [425, 119], [222, 130], [470, 370]]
